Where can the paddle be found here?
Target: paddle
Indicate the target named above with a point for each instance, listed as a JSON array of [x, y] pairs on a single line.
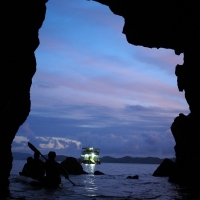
[[37, 151]]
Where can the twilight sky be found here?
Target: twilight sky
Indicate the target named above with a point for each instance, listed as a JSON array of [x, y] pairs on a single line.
[[93, 88]]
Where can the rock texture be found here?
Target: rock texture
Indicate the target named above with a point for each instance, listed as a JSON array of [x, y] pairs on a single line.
[[159, 24], [73, 166], [172, 25], [165, 168], [133, 177], [98, 173], [20, 22]]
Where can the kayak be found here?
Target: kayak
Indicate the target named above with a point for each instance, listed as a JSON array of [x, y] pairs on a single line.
[[33, 182], [28, 180], [16, 197]]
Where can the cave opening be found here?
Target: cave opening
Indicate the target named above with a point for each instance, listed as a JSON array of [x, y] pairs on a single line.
[[132, 86]]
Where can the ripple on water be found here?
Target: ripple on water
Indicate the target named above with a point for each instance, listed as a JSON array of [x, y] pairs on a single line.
[[112, 185]]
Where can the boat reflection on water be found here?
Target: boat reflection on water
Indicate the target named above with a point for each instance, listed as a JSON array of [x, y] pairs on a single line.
[[91, 186], [90, 168]]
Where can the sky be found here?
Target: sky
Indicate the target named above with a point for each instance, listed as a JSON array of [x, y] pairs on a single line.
[[93, 88]]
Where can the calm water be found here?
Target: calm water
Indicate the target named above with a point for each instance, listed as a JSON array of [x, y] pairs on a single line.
[[113, 185]]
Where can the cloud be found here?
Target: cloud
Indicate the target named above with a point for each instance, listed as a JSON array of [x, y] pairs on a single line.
[[133, 130], [160, 59], [151, 138], [43, 143], [142, 145], [108, 91], [83, 61]]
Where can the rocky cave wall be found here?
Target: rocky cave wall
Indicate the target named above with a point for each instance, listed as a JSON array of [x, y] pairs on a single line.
[[20, 23], [172, 25]]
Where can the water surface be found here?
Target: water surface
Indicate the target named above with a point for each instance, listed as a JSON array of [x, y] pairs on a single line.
[[112, 185]]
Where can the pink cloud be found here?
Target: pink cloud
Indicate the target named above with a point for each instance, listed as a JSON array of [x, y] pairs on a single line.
[[80, 76], [163, 59], [129, 86]]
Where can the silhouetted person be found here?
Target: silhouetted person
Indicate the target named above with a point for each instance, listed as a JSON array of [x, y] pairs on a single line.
[[36, 167], [53, 171], [27, 169]]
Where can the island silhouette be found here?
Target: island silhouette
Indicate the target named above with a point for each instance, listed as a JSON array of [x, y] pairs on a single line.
[[104, 159]]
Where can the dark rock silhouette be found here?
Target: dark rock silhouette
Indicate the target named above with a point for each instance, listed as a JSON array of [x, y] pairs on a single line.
[[172, 25], [133, 177], [128, 159], [165, 169], [73, 166], [185, 169], [20, 22], [159, 24], [98, 173]]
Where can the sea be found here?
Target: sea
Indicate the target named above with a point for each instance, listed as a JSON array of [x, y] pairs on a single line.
[[113, 185]]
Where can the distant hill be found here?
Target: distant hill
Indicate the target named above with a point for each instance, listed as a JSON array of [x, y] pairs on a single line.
[[128, 159], [20, 156], [58, 157], [24, 156], [105, 159]]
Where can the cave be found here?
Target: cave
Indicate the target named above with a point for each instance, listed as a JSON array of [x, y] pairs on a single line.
[[151, 24]]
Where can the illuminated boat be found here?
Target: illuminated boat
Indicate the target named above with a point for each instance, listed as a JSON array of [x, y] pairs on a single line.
[[90, 155]]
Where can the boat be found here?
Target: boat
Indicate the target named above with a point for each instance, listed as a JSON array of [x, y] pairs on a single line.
[[90, 155], [28, 180], [32, 181]]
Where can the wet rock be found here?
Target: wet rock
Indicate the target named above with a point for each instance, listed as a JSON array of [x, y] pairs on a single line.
[[165, 168], [72, 166], [133, 177], [186, 149], [98, 173]]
